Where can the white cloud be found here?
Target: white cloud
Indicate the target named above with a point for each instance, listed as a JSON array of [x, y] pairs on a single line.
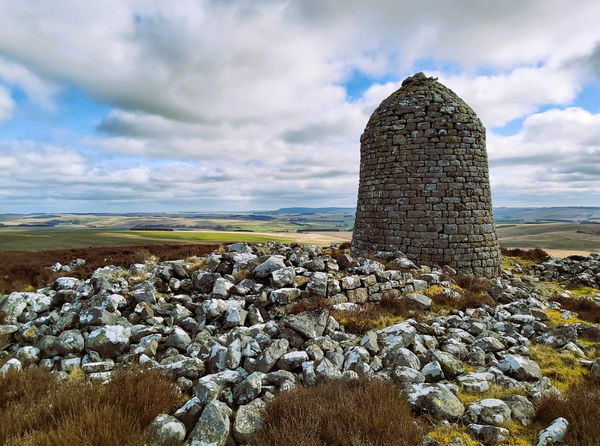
[[6, 104], [554, 158], [244, 101]]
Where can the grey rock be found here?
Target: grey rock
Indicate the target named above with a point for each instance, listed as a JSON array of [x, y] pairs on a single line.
[[166, 430], [520, 368], [402, 357], [221, 288], [418, 301], [28, 355], [265, 269], [326, 370], [433, 372], [490, 411], [553, 434], [451, 366], [488, 434], [249, 389], [283, 277], [436, 400], [179, 339], [212, 428], [521, 408], [144, 292], [70, 341], [292, 360], [268, 358], [109, 341], [249, 419], [310, 324], [476, 382], [284, 296], [397, 335], [12, 365]]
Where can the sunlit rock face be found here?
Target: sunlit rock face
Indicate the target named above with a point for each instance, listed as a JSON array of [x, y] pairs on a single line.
[[424, 183]]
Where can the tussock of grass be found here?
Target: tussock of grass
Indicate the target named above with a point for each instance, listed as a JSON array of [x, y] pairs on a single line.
[[583, 292], [555, 318], [535, 255], [37, 410], [587, 310], [374, 316], [579, 405], [445, 434], [312, 304], [495, 391], [353, 413], [563, 369]]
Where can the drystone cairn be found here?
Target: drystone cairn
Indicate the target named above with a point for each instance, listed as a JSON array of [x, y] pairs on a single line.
[[424, 185]]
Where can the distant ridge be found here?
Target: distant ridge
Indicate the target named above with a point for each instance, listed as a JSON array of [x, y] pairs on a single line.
[[302, 210], [549, 214]]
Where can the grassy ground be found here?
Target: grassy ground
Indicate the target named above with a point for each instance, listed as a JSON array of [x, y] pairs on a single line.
[[573, 236], [211, 237], [40, 240]]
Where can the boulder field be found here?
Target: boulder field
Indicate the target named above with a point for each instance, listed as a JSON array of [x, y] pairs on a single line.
[[221, 325]]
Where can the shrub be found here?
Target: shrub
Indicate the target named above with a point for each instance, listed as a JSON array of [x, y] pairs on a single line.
[[536, 255], [312, 304], [337, 413], [579, 405], [374, 315], [586, 309], [345, 245], [35, 409]]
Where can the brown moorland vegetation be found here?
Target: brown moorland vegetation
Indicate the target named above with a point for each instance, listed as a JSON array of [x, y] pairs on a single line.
[[341, 413], [579, 405], [22, 269], [37, 410], [586, 309], [537, 255]]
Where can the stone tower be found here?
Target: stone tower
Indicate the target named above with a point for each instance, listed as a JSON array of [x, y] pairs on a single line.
[[424, 184]]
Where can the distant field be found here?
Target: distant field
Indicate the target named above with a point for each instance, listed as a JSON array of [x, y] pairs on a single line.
[[571, 236], [41, 240], [558, 236]]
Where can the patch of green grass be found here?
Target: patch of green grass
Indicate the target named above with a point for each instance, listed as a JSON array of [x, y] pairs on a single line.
[[584, 291], [210, 237], [563, 369]]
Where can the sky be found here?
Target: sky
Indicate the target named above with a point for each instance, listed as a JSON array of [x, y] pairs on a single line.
[[222, 105]]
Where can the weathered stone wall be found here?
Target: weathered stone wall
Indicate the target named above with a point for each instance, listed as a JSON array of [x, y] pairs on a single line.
[[424, 186]]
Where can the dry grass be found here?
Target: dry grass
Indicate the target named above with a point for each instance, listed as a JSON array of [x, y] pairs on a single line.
[[312, 304], [536, 255], [563, 369], [37, 410], [586, 309], [495, 391], [579, 405], [21, 270], [375, 315], [353, 413], [473, 293], [345, 245]]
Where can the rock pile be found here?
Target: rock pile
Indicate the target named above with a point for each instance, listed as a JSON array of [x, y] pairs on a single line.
[[219, 326], [575, 270]]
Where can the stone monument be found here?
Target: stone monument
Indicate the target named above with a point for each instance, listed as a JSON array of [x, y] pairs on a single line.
[[424, 183]]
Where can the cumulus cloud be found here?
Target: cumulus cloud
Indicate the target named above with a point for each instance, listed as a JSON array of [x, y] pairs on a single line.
[[555, 157], [6, 104], [247, 100]]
